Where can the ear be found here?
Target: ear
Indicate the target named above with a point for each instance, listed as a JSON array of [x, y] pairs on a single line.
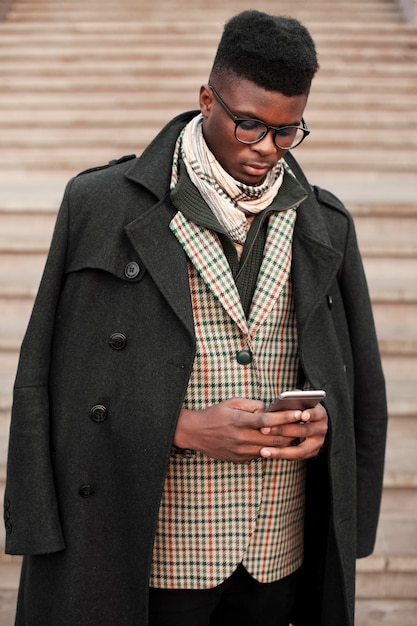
[[206, 100]]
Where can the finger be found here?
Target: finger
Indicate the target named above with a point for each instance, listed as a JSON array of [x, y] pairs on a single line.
[[296, 429], [306, 416], [279, 441], [277, 418], [318, 413], [307, 449], [299, 429], [246, 405]]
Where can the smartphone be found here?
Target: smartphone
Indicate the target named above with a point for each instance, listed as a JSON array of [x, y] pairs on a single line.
[[297, 400]]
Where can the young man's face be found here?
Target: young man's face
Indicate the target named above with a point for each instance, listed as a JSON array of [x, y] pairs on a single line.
[[248, 163]]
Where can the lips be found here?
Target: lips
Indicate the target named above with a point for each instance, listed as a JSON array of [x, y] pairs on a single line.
[[257, 169], [259, 166]]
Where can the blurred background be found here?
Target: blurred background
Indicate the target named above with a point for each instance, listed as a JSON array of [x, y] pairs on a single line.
[[86, 81]]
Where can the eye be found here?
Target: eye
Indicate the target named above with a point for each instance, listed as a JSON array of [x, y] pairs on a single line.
[[286, 131], [252, 125]]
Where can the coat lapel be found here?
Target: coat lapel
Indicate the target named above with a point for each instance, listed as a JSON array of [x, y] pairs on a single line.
[[164, 258], [149, 233], [315, 261]]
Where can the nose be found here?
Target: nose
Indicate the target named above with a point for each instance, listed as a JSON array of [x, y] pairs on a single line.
[[267, 145]]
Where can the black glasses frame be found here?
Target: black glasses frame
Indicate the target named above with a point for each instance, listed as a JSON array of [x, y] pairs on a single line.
[[239, 120]]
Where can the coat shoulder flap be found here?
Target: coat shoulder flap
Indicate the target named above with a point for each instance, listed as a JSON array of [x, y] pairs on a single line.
[[123, 159]]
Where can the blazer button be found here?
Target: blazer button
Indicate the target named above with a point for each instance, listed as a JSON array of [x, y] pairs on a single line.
[[244, 357], [98, 413], [118, 341], [132, 270], [86, 491]]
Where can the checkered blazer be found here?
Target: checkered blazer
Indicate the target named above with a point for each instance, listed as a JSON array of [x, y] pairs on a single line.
[[216, 514]]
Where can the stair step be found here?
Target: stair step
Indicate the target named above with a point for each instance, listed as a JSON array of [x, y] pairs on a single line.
[[180, 33], [397, 497], [401, 470], [386, 578], [169, 72], [332, 139], [164, 43], [386, 612], [386, 233], [80, 119], [161, 37], [156, 94], [74, 159], [89, 11]]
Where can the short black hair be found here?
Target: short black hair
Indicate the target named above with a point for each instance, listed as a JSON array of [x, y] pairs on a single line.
[[274, 52]]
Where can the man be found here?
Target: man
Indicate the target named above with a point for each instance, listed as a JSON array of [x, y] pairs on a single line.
[[147, 481]]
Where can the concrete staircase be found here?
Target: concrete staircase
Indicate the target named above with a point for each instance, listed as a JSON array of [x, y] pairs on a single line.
[[85, 81]]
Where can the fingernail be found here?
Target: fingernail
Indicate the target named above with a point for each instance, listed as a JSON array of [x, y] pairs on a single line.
[[265, 452], [266, 430]]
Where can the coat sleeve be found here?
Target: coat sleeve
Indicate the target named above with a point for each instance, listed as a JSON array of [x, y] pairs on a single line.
[[31, 508], [370, 404]]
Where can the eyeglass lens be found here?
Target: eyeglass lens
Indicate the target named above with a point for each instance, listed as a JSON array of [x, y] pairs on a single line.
[[251, 131]]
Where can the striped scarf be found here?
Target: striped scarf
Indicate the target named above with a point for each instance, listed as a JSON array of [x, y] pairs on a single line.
[[229, 199]]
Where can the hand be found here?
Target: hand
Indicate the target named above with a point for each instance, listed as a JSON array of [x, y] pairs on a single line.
[[239, 430], [314, 424]]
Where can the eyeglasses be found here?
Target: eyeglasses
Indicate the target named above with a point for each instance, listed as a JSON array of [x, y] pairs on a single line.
[[251, 131]]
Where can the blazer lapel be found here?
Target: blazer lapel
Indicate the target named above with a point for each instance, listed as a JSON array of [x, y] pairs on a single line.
[[275, 268], [206, 253]]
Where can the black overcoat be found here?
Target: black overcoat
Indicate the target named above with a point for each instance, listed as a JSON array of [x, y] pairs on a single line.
[[102, 375]]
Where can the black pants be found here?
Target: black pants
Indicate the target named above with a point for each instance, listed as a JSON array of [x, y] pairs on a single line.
[[239, 601]]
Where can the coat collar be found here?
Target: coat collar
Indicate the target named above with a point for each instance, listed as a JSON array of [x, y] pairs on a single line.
[[153, 168]]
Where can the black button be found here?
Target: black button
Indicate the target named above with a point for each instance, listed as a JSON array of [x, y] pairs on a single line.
[[86, 491], [98, 413], [132, 270], [9, 528], [118, 341], [7, 503], [244, 357]]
